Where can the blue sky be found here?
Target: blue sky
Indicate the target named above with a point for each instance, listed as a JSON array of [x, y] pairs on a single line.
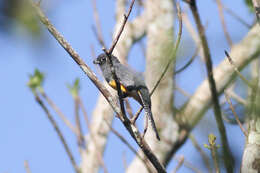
[[25, 132]]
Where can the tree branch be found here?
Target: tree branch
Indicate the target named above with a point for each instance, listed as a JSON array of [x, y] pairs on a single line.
[[228, 158], [131, 128], [57, 129]]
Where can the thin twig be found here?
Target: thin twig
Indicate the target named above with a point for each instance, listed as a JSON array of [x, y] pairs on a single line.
[[109, 54], [128, 108], [235, 114], [223, 23], [182, 91], [180, 163], [135, 134], [188, 63], [99, 155], [129, 146], [85, 115], [202, 153], [187, 164], [80, 136], [233, 14], [58, 112], [98, 29], [236, 97], [110, 51], [213, 148], [237, 71], [173, 57], [228, 158], [58, 131], [27, 167], [124, 161]]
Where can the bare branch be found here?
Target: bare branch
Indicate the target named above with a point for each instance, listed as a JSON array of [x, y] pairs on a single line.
[[182, 91], [128, 108], [27, 167], [80, 136], [188, 63], [181, 161], [233, 14], [223, 23], [228, 158], [236, 97], [98, 29], [130, 127], [237, 71], [121, 28], [213, 148], [130, 147], [59, 113], [202, 153], [171, 59], [58, 131], [235, 115], [100, 158], [187, 164]]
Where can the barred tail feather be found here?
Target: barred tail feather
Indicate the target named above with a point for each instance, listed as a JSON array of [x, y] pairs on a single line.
[[150, 117], [146, 102]]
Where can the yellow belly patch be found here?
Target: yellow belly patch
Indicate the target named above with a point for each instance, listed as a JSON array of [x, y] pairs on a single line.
[[112, 83]]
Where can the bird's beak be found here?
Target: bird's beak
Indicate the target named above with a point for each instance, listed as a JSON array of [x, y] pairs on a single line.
[[96, 61]]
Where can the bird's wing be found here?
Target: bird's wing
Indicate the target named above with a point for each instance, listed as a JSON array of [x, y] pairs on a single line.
[[125, 75]]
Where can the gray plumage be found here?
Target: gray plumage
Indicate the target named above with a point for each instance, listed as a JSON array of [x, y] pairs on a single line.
[[131, 80]]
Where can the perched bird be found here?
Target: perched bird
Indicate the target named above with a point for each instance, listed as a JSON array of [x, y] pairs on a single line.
[[131, 83]]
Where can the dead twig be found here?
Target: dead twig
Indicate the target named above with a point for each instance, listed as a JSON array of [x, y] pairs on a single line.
[[58, 112], [110, 51], [202, 153], [128, 108], [236, 97], [80, 136], [235, 114], [188, 63], [187, 164], [182, 91], [99, 155], [130, 147], [180, 163], [233, 14], [58, 131], [237, 71], [223, 23], [97, 30]]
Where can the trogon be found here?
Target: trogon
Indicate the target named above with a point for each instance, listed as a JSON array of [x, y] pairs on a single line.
[[131, 83]]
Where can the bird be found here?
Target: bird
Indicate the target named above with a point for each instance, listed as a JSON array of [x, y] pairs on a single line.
[[131, 83]]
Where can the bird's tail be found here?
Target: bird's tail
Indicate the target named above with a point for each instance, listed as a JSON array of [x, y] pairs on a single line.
[[146, 102], [150, 117]]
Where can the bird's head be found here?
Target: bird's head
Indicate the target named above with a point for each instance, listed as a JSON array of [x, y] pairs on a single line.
[[103, 58]]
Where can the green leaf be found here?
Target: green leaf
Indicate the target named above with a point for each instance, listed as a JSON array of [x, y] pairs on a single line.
[[36, 80], [74, 88], [212, 139]]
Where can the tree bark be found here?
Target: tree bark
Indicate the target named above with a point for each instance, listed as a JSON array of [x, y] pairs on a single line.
[[251, 155]]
